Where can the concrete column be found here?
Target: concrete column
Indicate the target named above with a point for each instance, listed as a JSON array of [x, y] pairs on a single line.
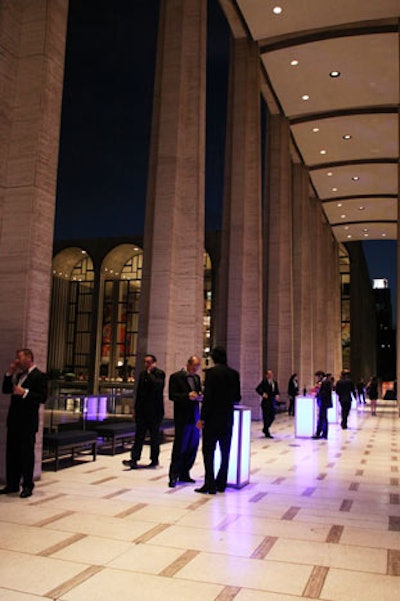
[[32, 50], [171, 314], [303, 278], [278, 234], [318, 283], [239, 323]]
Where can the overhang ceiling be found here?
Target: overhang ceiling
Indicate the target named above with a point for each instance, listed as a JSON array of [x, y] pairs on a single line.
[[344, 128]]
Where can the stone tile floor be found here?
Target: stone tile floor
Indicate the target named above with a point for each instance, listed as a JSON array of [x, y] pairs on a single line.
[[319, 520]]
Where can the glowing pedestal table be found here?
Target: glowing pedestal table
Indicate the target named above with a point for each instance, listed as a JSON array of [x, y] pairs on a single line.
[[305, 416], [239, 458]]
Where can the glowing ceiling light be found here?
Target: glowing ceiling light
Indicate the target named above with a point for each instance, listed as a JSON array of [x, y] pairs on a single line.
[[383, 235], [339, 204], [343, 216], [322, 152], [305, 97], [361, 208], [334, 189], [346, 137], [329, 174], [294, 63], [349, 236], [277, 10], [315, 129], [334, 74], [355, 178]]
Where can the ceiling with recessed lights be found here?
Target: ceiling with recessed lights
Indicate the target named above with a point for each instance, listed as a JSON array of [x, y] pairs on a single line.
[[332, 67]]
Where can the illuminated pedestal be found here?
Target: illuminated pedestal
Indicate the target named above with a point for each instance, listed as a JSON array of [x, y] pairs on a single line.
[[239, 458], [305, 416], [333, 412]]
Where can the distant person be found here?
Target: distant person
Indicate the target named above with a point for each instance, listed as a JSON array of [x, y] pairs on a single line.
[[185, 392], [361, 391], [149, 411], [345, 390], [28, 388], [293, 391], [268, 389], [372, 391], [324, 400], [221, 394]]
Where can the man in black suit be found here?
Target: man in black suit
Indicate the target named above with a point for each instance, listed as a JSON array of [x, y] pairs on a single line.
[[345, 390], [28, 388], [221, 393], [324, 401], [268, 389], [149, 411], [185, 393]]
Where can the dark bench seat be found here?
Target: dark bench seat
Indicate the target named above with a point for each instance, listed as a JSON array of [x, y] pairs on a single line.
[[115, 432], [72, 440]]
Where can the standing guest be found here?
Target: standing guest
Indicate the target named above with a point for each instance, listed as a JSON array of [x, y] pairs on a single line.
[[345, 389], [221, 393], [324, 400], [149, 411], [28, 388], [185, 392], [361, 391], [372, 391], [293, 391], [268, 389]]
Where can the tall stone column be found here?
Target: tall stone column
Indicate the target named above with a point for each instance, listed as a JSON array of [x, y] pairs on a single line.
[[303, 279], [32, 43], [318, 283], [171, 315], [278, 232], [239, 324]]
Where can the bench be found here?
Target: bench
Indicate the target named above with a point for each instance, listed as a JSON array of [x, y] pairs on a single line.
[[114, 432], [71, 440]]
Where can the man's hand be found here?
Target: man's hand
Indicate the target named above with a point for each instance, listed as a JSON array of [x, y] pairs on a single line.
[[200, 424], [193, 395], [18, 390], [265, 395]]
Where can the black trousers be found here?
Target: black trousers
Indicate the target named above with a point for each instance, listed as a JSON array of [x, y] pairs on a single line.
[[142, 426], [184, 449], [212, 434], [322, 425], [268, 412], [20, 458], [346, 406]]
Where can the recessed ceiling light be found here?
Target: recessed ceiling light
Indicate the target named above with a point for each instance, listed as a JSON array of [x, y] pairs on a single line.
[[365, 229], [346, 227], [294, 62], [383, 235], [346, 137], [322, 152], [365, 235], [339, 204], [361, 208], [334, 189], [315, 129], [277, 10], [329, 174], [343, 216], [349, 236], [355, 178], [334, 74], [305, 97]]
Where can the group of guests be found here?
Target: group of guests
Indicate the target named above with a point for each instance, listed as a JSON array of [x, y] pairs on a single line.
[[214, 418]]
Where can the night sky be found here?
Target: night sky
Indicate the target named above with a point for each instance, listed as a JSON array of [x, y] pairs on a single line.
[[106, 118]]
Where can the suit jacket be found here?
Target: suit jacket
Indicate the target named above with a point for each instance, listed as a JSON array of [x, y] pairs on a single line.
[[149, 402], [324, 394], [344, 389], [272, 392], [186, 411], [23, 413], [221, 393]]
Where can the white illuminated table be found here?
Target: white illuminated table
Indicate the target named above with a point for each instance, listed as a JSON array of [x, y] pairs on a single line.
[[239, 457], [305, 416]]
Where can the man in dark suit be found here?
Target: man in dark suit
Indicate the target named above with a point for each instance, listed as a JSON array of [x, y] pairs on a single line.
[[28, 388], [221, 393], [149, 411], [268, 389], [345, 389], [185, 393], [324, 401]]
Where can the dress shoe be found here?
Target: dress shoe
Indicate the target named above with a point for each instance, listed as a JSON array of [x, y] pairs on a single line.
[[153, 464], [268, 435], [220, 488], [172, 482], [315, 437], [186, 479], [206, 490], [26, 492], [130, 463], [7, 490]]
